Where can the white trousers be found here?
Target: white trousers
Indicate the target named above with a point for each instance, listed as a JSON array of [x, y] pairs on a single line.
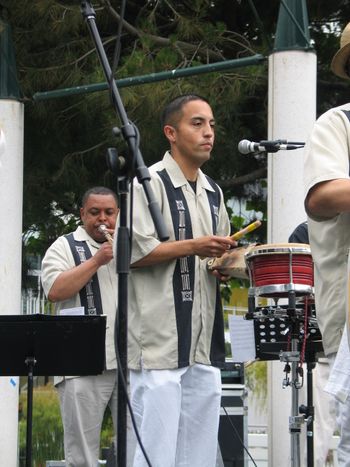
[[83, 403], [177, 414], [325, 413], [339, 386]]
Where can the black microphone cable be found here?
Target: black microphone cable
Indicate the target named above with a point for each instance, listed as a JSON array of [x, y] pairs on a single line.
[[116, 58], [132, 416], [237, 435]]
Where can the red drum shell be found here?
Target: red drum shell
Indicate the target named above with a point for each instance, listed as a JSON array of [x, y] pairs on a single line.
[[275, 269]]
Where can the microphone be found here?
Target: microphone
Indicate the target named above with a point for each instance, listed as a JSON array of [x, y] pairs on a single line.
[[248, 147]]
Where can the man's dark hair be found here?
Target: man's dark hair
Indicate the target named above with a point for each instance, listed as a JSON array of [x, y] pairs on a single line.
[[173, 111], [98, 190]]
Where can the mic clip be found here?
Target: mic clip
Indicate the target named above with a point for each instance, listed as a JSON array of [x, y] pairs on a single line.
[[272, 146]]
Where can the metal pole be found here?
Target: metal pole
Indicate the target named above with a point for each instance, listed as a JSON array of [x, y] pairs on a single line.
[[154, 77], [294, 421]]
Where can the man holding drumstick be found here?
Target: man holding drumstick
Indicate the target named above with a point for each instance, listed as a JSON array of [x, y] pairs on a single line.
[[176, 332]]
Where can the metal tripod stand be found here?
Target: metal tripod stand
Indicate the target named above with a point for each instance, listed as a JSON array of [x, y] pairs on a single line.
[[299, 414], [290, 334]]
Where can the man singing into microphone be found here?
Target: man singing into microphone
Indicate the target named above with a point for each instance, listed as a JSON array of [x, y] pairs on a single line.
[[72, 262], [176, 334]]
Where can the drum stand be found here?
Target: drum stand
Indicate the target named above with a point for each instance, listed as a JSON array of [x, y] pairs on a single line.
[[299, 414], [292, 359], [285, 271], [309, 413], [294, 378]]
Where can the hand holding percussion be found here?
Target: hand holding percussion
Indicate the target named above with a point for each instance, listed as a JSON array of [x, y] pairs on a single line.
[[232, 263]]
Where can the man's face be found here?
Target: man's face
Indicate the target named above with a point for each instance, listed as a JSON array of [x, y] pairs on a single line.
[[193, 136], [99, 209]]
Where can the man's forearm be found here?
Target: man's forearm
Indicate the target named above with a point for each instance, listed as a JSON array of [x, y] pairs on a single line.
[[70, 282]]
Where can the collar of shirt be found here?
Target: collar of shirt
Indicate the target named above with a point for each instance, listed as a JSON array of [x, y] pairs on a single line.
[[82, 236], [177, 177]]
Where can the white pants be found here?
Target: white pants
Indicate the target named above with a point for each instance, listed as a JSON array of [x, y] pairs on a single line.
[[339, 386], [83, 403], [325, 413], [177, 414]]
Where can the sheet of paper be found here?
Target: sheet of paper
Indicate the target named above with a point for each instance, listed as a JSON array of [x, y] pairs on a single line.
[[76, 311], [242, 338]]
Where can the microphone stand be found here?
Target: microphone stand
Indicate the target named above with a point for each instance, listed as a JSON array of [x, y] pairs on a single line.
[[123, 241]]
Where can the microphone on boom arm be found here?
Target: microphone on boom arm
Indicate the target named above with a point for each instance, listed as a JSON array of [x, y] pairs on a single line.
[[249, 147]]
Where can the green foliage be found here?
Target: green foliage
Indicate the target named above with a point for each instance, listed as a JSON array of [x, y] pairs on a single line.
[[256, 380], [226, 292], [47, 430], [66, 138], [228, 288], [107, 432], [237, 222]]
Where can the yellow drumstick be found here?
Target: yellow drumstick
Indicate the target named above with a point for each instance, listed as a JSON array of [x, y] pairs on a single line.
[[249, 228], [241, 233]]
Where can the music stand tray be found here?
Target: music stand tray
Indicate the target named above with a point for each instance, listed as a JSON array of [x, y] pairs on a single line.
[[270, 340], [45, 345], [61, 345]]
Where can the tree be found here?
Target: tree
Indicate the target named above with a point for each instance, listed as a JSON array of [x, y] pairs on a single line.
[[66, 138]]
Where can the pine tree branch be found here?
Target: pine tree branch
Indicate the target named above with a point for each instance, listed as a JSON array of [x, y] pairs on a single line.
[[243, 179], [204, 52]]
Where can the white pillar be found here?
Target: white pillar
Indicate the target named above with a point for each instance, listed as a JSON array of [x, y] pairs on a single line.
[[292, 112], [11, 191]]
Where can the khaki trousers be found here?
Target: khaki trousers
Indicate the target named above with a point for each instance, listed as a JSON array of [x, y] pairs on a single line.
[[83, 402]]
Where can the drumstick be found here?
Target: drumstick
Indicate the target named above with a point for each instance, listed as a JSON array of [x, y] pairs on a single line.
[[241, 233], [249, 228]]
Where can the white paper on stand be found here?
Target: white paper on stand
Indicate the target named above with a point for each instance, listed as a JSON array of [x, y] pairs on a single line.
[[242, 338], [76, 311]]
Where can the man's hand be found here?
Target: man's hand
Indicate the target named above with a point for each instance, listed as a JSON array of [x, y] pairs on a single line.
[[212, 246], [104, 255], [221, 277]]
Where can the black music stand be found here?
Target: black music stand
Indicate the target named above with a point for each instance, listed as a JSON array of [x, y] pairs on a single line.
[[44, 345]]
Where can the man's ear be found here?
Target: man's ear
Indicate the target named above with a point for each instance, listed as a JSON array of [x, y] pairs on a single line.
[[170, 133]]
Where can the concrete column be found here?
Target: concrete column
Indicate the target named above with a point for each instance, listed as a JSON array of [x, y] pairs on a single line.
[[11, 192], [292, 104]]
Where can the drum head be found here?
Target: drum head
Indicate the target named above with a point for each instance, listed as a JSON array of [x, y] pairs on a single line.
[[276, 248]]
